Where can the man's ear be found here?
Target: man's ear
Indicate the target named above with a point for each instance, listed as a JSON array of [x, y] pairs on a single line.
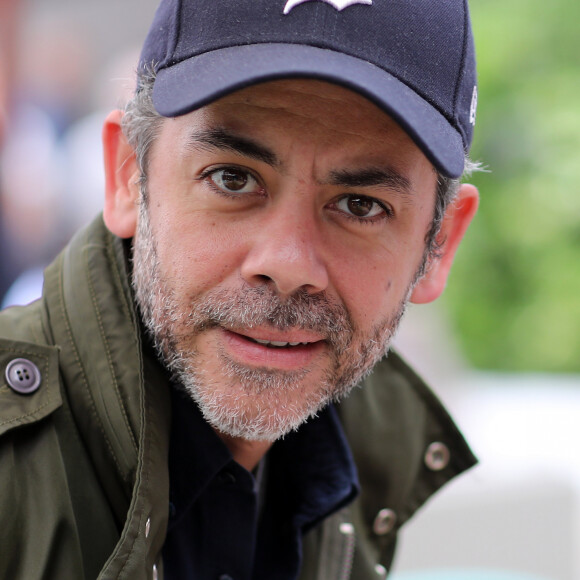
[[457, 218], [121, 179]]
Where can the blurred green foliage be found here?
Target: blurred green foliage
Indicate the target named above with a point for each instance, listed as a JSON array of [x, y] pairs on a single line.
[[514, 295]]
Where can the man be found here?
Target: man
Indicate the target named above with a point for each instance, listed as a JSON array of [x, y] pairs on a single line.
[[179, 404]]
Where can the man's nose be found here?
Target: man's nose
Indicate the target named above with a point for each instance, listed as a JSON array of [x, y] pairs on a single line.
[[286, 251]]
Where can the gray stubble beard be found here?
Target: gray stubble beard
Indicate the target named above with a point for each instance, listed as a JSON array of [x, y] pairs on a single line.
[[171, 325]]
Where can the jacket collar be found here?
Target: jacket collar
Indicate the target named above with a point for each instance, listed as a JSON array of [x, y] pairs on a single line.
[[117, 391], [405, 444]]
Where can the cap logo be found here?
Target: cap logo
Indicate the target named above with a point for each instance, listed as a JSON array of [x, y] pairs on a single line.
[[338, 4], [473, 109]]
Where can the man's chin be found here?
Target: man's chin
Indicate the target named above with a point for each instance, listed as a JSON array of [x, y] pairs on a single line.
[[258, 421], [258, 405]]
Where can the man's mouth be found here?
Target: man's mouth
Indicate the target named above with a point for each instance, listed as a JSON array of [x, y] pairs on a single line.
[[274, 338], [266, 347], [277, 343]]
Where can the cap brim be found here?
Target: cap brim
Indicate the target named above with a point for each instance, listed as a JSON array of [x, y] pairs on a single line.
[[199, 80]]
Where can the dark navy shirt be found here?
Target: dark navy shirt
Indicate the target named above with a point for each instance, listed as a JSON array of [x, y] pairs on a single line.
[[225, 523]]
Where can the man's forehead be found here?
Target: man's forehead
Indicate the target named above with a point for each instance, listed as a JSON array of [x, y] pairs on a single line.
[[352, 141], [307, 97]]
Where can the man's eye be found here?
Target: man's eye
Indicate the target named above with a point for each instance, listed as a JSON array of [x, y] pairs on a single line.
[[360, 206], [232, 180]]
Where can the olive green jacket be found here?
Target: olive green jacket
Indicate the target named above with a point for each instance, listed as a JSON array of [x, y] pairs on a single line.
[[83, 459]]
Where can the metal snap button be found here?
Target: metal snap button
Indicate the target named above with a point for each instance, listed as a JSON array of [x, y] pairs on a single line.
[[23, 376], [437, 456], [384, 522]]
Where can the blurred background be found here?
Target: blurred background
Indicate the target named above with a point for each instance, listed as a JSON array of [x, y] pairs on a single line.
[[502, 348]]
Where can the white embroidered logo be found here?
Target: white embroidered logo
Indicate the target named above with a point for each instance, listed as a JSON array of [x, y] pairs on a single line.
[[338, 4], [473, 110]]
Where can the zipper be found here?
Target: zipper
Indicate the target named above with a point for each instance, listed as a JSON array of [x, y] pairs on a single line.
[[349, 542], [337, 547]]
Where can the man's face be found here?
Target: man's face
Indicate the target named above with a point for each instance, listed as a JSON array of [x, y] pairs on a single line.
[[280, 240]]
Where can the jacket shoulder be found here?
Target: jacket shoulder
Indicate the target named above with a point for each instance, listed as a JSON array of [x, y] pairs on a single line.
[[51, 501], [33, 486]]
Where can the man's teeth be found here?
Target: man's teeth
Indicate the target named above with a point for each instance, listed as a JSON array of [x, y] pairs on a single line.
[[278, 343]]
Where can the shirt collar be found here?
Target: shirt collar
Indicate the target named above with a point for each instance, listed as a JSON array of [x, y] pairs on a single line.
[[314, 462], [196, 453], [319, 467]]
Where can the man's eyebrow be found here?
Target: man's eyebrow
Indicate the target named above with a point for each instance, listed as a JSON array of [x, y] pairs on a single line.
[[374, 176], [222, 139]]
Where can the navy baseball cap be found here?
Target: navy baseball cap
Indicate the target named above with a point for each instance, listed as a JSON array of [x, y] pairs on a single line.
[[415, 59]]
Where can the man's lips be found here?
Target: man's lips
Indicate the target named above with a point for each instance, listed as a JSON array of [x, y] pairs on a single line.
[[285, 350], [278, 343], [277, 338]]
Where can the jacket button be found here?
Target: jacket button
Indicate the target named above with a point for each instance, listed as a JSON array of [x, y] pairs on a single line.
[[23, 376], [381, 571], [437, 456], [384, 522]]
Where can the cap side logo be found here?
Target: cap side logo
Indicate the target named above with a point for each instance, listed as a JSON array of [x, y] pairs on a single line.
[[338, 4], [473, 108]]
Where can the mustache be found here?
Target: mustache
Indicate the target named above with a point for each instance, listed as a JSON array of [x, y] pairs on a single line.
[[249, 307]]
